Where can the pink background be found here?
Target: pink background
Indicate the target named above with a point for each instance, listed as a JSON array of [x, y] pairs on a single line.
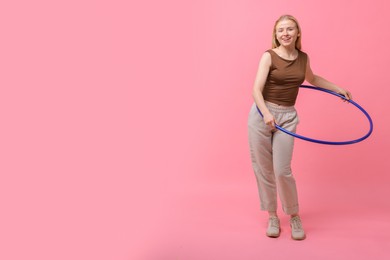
[[123, 130]]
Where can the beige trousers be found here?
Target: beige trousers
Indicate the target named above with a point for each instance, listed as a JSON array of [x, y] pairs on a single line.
[[271, 153]]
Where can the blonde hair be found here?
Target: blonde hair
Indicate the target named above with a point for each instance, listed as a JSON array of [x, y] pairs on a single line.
[[275, 42]]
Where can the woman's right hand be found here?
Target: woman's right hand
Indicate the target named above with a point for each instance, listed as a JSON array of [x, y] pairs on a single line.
[[269, 120]]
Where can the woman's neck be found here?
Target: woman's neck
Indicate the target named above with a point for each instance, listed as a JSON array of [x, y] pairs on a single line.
[[288, 52]]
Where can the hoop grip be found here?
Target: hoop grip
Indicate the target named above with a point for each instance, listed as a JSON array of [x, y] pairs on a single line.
[[323, 141]]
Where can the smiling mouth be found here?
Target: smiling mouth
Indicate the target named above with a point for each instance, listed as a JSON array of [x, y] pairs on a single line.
[[286, 40]]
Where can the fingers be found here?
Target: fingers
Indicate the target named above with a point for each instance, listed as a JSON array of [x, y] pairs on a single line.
[[347, 95], [271, 124], [269, 120]]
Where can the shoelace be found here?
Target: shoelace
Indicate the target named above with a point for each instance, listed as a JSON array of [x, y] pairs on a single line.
[[296, 223], [274, 222]]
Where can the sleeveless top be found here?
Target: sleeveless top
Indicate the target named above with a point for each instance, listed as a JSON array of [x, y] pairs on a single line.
[[284, 78]]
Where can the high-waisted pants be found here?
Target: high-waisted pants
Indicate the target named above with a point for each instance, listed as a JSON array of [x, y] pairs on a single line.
[[271, 153]]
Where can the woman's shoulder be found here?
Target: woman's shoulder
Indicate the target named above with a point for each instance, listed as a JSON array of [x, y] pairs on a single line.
[[271, 51], [267, 55], [266, 59], [302, 53]]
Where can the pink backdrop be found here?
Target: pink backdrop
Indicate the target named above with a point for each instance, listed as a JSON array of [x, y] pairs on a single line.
[[124, 130]]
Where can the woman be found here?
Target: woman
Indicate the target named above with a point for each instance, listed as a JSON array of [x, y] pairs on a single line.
[[281, 71]]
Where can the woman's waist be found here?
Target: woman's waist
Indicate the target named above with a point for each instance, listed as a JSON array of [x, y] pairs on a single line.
[[276, 107]]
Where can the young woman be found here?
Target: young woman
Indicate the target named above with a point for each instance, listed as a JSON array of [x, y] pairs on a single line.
[[281, 71]]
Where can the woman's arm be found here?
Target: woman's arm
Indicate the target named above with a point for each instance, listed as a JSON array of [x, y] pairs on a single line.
[[318, 81], [261, 77]]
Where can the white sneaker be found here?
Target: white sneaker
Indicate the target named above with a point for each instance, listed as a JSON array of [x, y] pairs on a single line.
[[273, 229], [297, 232]]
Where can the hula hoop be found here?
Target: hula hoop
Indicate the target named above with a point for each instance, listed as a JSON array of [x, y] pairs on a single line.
[[329, 142]]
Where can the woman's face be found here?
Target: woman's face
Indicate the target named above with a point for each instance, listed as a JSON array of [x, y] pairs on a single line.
[[287, 33]]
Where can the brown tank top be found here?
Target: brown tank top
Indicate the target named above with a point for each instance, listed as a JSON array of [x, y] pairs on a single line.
[[284, 79]]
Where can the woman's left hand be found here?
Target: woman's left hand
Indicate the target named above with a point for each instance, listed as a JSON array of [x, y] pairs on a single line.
[[345, 93]]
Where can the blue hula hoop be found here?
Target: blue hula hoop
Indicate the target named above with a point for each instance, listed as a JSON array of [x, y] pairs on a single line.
[[329, 142]]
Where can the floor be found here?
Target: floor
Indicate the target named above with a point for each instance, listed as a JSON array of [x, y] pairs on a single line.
[[224, 222]]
